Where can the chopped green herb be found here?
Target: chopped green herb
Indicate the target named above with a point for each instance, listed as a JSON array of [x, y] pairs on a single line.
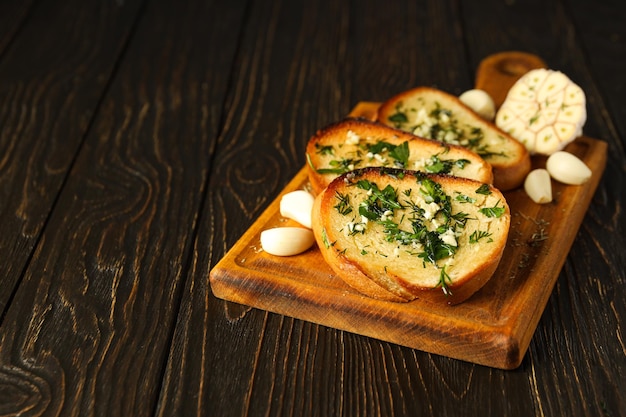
[[399, 117], [324, 149], [339, 166], [464, 198], [343, 204], [400, 153], [494, 211], [483, 189], [478, 235], [439, 166], [444, 280], [325, 239]]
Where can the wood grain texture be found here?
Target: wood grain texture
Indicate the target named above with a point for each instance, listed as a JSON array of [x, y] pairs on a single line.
[[190, 117], [12, 17], [386, 53], [52, 77], [582, 317], [90, 326]]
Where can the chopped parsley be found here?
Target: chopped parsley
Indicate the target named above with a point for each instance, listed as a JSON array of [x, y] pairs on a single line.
[[464, 198], [494, 211], [438, 166], [441, 124], [400, 153], [379, 201], [399, 117], [324, 149], [483, 189], [340, 166]]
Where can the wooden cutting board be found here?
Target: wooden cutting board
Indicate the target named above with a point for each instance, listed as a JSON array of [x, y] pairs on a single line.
[[493, 328]]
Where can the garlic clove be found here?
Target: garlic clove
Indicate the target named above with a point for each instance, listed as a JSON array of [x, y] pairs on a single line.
[[297, 205], [538, 186], [481, 102], [286, 241], [567, 168]]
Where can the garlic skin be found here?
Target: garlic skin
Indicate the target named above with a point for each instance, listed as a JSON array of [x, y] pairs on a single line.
[[567, 168], [481, 102], [538, 186], [297, 205], [286, 241]]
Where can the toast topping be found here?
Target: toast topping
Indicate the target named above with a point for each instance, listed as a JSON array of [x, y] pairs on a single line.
[[440, 123], [356, 153], [422, 221]]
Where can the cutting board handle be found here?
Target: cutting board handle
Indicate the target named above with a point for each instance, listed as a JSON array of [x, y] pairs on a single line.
[[497, 73]]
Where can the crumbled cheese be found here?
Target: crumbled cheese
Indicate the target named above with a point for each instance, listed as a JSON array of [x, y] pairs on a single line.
[[422, 117], [430, 209], [449, 238], [450, 136], [352, 227], [380, 159], [386, 215], [352, 138], [417, 246]]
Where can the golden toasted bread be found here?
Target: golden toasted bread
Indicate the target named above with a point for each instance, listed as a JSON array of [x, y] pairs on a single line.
[[357, 143], [434, 114], [398, 235]]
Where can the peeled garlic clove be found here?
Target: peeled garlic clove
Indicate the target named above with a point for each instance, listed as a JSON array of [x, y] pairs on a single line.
[[481, 102], [297, 205], [538, 186], [567, 168], [286, 241]]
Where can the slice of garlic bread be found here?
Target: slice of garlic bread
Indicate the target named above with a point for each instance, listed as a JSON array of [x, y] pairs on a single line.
[[435, 114], [357, 143], [398, 235]]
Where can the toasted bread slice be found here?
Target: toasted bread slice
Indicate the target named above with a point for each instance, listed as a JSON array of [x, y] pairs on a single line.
[[398, 235], [359, 143], [434, 114]]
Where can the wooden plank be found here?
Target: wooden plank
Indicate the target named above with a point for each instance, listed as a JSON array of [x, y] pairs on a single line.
[[12, 16], [288, 79], [89, 328], [51, 80]]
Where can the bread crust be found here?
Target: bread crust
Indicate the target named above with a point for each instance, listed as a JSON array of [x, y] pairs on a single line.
[[335, 137], [402, 111], [406, 281]]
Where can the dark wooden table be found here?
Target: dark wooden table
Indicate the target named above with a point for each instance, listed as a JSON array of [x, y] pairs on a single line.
[[140, 139]]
